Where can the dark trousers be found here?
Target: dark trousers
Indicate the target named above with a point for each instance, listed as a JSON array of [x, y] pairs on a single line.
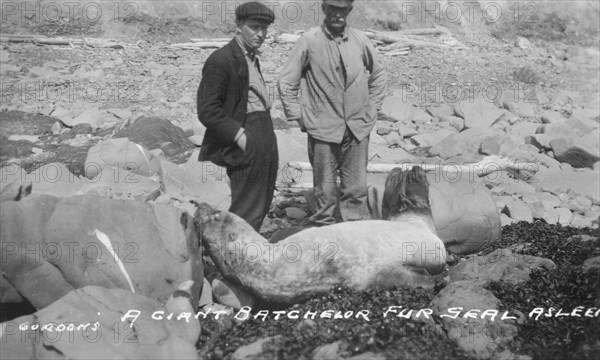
[[350, 159], [253, 177]]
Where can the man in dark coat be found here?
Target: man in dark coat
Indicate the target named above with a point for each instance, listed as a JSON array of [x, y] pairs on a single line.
[[234, 104]]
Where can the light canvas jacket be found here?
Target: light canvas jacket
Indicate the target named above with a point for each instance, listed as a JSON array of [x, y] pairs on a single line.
[[330, 83]]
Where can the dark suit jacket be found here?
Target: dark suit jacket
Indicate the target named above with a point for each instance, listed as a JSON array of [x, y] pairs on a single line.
[[222, 102]]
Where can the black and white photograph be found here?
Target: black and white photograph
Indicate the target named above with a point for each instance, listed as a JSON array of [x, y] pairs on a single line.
[[308, 179]]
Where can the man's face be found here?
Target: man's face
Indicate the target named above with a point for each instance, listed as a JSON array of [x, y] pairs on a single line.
[[253, 32], [335, 17]]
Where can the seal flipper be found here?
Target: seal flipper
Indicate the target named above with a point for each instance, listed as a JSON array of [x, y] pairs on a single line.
[[406, 192]]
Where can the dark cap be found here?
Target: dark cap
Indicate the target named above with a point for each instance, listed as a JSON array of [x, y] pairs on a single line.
[[254, 11], [338, 3]]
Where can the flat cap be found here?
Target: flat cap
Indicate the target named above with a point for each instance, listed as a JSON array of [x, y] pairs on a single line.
[[338, 3], [254, 11]]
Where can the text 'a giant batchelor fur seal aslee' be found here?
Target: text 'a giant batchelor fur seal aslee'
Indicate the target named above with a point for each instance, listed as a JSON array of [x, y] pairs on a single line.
[[403, 250]]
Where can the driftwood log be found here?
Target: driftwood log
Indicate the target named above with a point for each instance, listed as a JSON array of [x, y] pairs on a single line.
[[44, 40], [490, 164], [198, 45]]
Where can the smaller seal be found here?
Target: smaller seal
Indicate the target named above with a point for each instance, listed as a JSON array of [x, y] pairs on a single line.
[[403, 250]]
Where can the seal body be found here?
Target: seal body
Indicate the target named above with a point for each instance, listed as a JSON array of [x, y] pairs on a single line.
[[401, 251]]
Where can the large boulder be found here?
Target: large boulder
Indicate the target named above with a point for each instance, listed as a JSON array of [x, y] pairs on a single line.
[[463, 143], [157, 133], [198, 181], [395, 108], [52, 245], [500, 265], [464, 212], [120, 153], [581, 182], [479, 114], [479, 335], [578, 152], [89, 323]]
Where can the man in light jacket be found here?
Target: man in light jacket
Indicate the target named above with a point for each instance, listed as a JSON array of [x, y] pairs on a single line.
[[333, 85]]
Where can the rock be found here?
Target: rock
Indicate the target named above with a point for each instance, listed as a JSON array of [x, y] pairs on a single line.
[[552, 117], [43, 73], [581, 221], [254, 351], [540, 141], [156, 244], [591, 266], [537, 209], [454, 121], [206, 294], [522, 43], [468, 295], [328, 352], [522, 129], [440, 111], [559, 182], [510, 187], [295, 213], [579, 204], [432, 139], [123, 114], [197, 181], [519, 211], [478, 114], [7, 68], [549, 201], [564, 215], [120, 153], [397, 109], [566, 129], [118, 183], [56, 128], [576, 153], [521, 109], [499, 265], [92, 116], [421, 117], [231, 295], [547, 162], [589, 117], [384, 127], [498, 145], [550, 217], [393, 139], [82, 128], [505, 220], [507, 118], [405, 130], [291, 144], [157, 133], [463, 143]]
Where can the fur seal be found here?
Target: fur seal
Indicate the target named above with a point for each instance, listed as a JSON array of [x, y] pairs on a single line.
[[403, 250]]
